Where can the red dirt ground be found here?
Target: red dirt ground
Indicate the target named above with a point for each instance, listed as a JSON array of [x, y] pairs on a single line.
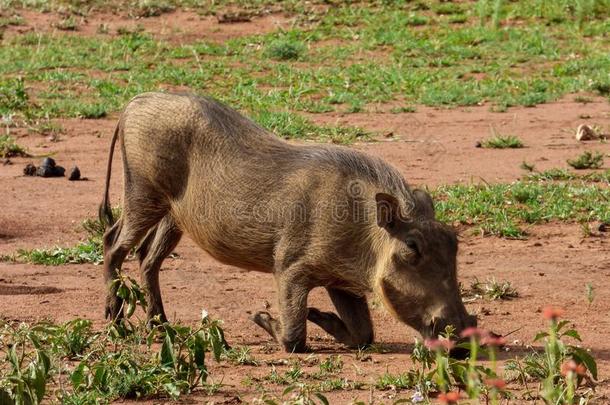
[[430, 147]]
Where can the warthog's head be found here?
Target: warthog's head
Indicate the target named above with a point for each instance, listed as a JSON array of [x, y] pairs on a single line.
[[416, 274]]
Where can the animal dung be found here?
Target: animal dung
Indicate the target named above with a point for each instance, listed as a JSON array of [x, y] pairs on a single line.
[[29, 170], [48, 168], [74, 174]]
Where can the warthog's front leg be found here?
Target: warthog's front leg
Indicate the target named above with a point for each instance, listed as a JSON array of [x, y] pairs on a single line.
[[291, 329], [353, 327]]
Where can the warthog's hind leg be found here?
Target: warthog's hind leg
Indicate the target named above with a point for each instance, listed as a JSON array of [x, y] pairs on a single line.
[[353, 327], [158, 244], [141, 211]]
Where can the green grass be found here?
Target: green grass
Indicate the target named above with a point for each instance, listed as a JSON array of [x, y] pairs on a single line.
[[67, 24], [379, 53], [563, 174], [507, 209], [84, 252], [89, 251], [13, 95], [292, 126], [10, 148], [392, 381], [492, 290], [503, 142], [285, 49], [73, 364], [587, 160], [240, 355]]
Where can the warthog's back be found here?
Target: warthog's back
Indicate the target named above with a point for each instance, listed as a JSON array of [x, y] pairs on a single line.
[[237, 189]]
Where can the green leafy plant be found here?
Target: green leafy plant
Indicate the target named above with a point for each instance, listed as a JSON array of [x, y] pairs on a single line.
[[89, 251], [73, 338], [95, 228], [67, 24], [13, 96], [84, 252], [285, 49], [9, 147], [331, 365], [492, 290], [27, 366], [503, 142], [587, 160], [527, 166], [240, 355], [561, 368]]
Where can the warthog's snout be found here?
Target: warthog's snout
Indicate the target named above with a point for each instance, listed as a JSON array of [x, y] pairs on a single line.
[[439, 325]]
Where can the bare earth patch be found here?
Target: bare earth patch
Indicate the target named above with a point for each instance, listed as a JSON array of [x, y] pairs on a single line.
[[175, 27]]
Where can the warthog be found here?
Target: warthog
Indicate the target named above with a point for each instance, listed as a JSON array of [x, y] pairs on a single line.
[[312, 215]]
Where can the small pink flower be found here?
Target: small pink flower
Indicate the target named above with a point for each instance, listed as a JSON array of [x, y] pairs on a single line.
[[572, 366], [493, 340], [552, 313], [450, 398], [496, 383], [436, 344], [474, 332]]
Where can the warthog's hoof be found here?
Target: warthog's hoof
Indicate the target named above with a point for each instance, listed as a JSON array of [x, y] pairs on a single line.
[[459, 353], [155, 320], [114, 309], [298, 346]]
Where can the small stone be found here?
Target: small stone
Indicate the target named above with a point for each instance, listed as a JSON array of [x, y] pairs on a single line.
[[46, 171], [74, 174], [478, 144], [48, 162], [29, 170], [59, 171], [585, 133]]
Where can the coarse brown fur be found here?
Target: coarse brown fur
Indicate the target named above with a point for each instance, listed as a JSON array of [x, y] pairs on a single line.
[[314, 216]]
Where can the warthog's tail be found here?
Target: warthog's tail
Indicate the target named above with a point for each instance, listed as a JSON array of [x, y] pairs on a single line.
[[105, 212]]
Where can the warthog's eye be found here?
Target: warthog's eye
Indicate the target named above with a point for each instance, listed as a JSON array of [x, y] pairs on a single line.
[[413, 247]]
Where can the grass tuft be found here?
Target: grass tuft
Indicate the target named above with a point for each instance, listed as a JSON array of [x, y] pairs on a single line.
[[285, 49], [84, 252], [9, 147], [587, 160], [493, 290], [13, 96], [503, 142]]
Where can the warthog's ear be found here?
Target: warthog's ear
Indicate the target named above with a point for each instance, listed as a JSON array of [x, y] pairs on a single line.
[[424, 203], [388, 210]]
